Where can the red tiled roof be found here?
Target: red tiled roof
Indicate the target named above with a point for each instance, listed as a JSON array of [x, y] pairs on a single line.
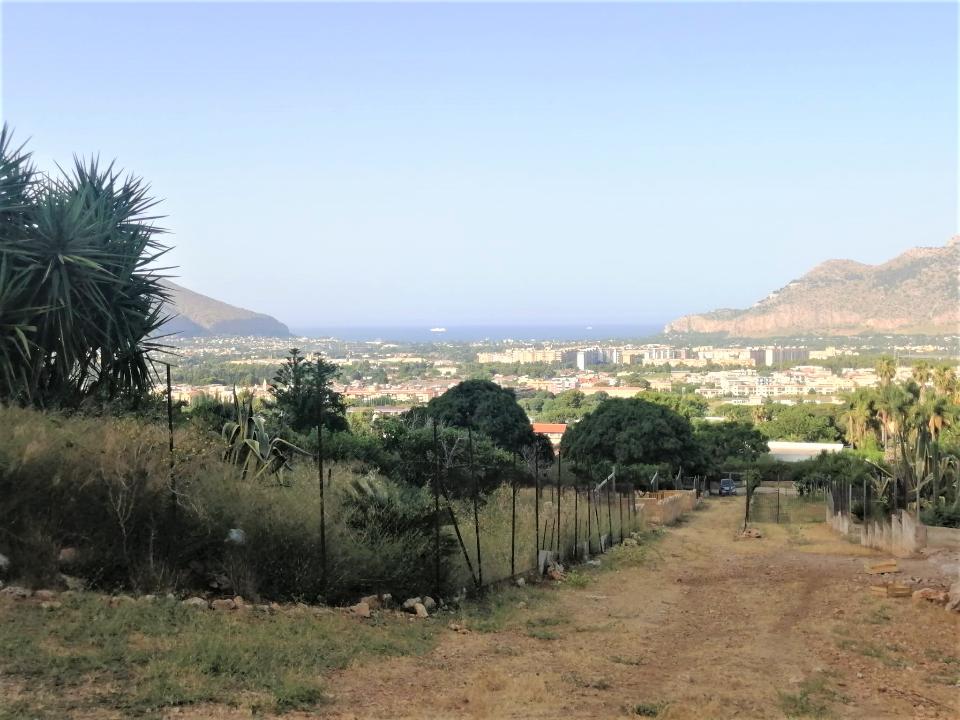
[[549, 428]]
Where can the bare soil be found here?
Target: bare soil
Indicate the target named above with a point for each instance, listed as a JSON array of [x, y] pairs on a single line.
[[706, 626]]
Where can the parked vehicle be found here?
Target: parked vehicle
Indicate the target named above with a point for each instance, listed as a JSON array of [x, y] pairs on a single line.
[[727, 487]]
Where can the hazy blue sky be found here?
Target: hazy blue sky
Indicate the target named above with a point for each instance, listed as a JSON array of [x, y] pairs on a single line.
[[455, 164]]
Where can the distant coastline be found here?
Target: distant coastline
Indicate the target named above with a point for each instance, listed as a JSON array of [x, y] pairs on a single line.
[[479, 333]]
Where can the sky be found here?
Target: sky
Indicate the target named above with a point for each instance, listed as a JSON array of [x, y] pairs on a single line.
[[458, 164]]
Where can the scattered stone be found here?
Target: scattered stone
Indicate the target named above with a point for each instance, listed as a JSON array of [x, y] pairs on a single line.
[[262, 608], [197, 602], [147, 598], [594, 563], [520, 582], [72, 583], [275, 607], [751, 533], [238, 601], [420, 610], [630, 542], [50, 605], [361, 609], [44, 595], [458, 628], [953, 597], [938, 597], [170, 596], [118, 600], [522, 604], [373, 602], [223, 604], [410, 604], [429, 603]]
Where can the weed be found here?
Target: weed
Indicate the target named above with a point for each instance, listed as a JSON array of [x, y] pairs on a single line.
[[648, 709], [578, 579], [620, 660], [539, 634]]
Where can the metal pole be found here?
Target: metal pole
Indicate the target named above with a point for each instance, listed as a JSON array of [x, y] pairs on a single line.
[[513, 518], [620, 505], [323, 513], [536, 503], [173, 477], [576, 520], [436, 512], [609, 514], [778, 498], [476, 509], [559, 495], [589, 519]]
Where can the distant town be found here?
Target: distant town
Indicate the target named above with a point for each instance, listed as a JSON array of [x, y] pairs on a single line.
[[392, 377]]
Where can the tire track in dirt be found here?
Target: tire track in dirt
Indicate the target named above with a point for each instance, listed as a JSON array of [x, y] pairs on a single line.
[[707, 626]]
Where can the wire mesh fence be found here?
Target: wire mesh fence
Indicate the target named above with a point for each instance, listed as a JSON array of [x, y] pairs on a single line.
[[782, 503]]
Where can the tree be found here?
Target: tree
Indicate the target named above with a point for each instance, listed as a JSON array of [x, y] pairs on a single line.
[[80, 301], [689, 405], [859, 416], [886, 369], [801, 423], [724, 442], [944, 380], [303, 394], [486, 408], [630, 432]]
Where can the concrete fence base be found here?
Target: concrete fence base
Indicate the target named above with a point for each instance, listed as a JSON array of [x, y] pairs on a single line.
[[900, 534]]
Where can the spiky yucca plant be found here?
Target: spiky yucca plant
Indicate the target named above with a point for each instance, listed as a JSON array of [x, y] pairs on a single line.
[[81, 300]]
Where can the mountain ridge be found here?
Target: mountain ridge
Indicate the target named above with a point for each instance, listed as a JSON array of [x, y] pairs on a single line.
[[915, 292], [197, 315]]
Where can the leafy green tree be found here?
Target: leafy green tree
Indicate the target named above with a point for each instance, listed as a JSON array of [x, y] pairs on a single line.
[[486, 408], [630, 433], [569, 406], [689, 405], [801, 423], [886, 368], [729, 442], [80, 302], [303, 394]]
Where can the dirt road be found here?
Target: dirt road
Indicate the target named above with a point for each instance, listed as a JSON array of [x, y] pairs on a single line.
[[702, 625]]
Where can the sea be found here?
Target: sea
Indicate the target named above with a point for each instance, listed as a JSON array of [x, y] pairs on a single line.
[[487, 333]]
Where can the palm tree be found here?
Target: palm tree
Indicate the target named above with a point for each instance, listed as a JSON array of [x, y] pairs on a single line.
[[921, 375], [944, 380], [886, 369], [859, 415], [81, 296]]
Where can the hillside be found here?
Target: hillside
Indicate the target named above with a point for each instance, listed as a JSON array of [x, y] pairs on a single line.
[[201, 315], [914, 293]]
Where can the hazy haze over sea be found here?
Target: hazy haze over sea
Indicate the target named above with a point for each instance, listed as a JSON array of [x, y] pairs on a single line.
[[493, 333]]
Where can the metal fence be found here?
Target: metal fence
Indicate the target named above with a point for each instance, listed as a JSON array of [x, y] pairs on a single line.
[[781, 503]]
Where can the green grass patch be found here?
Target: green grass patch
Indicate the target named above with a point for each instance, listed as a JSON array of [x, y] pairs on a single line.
[[143, 657], [810, 701]]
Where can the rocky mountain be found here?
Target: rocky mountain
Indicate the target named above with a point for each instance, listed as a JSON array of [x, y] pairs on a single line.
[[915, 293], [198, 314]]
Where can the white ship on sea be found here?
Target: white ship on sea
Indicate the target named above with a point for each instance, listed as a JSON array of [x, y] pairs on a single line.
[[438, 330]]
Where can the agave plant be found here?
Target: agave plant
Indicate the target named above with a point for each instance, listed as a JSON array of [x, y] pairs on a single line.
[[250, 446], [81, 299]]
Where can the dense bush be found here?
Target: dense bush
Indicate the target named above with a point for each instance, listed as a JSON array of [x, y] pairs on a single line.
[[104, 488]]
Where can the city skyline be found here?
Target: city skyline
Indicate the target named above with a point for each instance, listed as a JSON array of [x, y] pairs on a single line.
[[451, 165]]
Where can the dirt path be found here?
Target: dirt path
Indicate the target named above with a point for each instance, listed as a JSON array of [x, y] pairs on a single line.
[[706, 626]]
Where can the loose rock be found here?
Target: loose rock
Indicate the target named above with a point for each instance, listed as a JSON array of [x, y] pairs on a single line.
[[197, 602], [421, 610], [50, 605], [429, 603], [932, 595], [361, 609], [44, 595], [410, 604], [372, 602], [15, 592], [223, 604]]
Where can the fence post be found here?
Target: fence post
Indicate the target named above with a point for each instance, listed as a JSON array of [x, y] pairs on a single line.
[[436, 512], [620, 506], [476, 510], [609, 514], [778, 498], [576, 521], [536, 507], [559, 493], [173, 476], [589, 520]]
